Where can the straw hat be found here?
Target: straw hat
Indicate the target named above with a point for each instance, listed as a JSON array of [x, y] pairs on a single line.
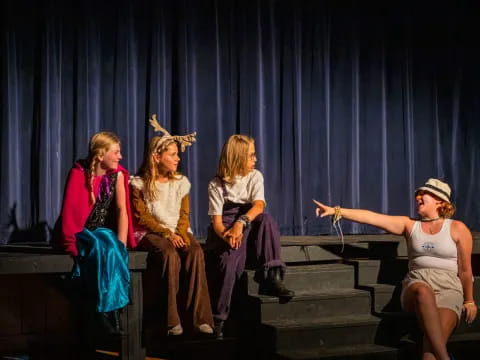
[[438, 188]]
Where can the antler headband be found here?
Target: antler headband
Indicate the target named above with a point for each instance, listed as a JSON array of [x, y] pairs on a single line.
[[167, 139]]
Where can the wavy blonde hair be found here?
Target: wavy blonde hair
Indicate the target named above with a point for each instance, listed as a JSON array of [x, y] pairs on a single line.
[[149, 170], [98, 145], [234, 158], [446, 210]]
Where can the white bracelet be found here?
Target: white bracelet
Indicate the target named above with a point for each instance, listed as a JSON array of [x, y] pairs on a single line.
[[243, 222]]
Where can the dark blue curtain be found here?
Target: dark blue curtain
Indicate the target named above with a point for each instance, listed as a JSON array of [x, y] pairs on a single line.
[[350, 102]]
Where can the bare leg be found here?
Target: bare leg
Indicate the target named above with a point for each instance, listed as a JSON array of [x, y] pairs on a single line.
[[448, 319], [419, 297]]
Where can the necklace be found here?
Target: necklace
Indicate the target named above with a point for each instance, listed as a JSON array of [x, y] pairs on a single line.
[[433, 226], [429, 220]]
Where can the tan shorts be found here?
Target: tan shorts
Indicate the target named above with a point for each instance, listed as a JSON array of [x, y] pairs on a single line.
[[446, 286]]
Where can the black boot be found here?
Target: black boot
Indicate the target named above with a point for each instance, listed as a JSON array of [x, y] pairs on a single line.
[[218, 329], [274, 286], [116, 321], [110, 323]]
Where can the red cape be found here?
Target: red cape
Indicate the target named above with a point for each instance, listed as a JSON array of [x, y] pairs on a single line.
[[77, 207]]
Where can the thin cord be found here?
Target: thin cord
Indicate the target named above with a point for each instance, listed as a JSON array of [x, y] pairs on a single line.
[[336, 225], [338, 230]]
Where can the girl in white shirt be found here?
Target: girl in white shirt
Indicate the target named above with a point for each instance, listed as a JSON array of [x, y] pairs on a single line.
[[236, 205]]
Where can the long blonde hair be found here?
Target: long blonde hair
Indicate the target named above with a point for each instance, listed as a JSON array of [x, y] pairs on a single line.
[[234, 158], [149, 171], [98, 145]]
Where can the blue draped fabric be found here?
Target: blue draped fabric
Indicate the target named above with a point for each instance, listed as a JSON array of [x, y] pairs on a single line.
[[351, 102], [102, 266]]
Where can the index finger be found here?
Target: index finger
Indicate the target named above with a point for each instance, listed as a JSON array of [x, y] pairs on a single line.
[[318, 203]]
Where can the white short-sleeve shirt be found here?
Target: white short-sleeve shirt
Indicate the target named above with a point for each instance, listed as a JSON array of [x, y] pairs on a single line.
[[245, 190]]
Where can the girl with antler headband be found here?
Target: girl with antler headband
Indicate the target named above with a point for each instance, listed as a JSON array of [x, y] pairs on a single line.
[[160, 202], [95, 227]]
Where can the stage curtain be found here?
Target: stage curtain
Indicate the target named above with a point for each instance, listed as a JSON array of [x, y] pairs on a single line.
[[351, 103]]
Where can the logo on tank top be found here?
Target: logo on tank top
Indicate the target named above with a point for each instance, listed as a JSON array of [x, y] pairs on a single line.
[[428, 246]]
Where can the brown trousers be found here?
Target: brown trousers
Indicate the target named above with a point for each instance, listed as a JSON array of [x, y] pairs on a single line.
[[178, 274]]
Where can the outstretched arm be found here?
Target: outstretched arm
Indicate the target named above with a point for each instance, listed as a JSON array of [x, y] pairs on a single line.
[[397, 225]]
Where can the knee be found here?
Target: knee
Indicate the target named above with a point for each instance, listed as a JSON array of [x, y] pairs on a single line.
[[196, 251], [170, 254], [264, 218], [423, 294]]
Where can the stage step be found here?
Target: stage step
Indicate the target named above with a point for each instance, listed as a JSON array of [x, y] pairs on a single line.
[[307, 253], [353, 352], [464, 346], [179, 348], [312, 278], [322, 332], [385, 297], [381, 271], [461, 346], [336, 302], [320, 248]]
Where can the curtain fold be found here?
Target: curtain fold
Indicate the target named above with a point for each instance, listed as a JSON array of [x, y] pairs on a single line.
[[349, 103]]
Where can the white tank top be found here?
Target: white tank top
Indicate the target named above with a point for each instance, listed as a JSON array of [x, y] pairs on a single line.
[[437, 251]]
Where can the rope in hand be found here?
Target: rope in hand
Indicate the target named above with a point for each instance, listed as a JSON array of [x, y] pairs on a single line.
[[336, 224]]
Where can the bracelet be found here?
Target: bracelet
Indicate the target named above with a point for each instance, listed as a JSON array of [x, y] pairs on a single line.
[[469, 302], [241, 221], [337, 215], [244, 220]]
